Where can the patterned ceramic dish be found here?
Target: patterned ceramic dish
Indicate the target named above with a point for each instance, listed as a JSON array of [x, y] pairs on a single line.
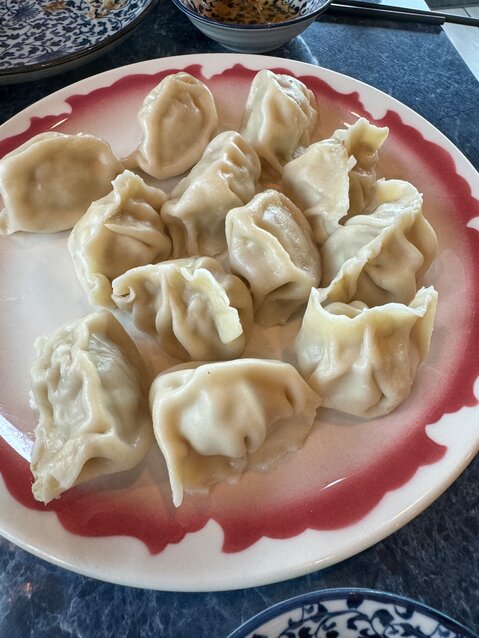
[[351, 613], [252, 37], [44, 37]]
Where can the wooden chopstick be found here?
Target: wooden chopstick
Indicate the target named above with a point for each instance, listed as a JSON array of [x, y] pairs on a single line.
[[367, 9]]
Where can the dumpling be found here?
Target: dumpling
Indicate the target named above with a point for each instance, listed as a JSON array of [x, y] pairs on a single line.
[[49, 182], [363, 141], [178, 118], [279, 118], [216, 420], [318, 182], [362, 360], [336, 177], [379, 258], [91, 390], [270, 245], [118, 232], [226, 176], [198, 310]]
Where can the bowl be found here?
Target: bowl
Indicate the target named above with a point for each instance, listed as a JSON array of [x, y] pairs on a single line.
[[237, 25], [351, 613], [40, 40]]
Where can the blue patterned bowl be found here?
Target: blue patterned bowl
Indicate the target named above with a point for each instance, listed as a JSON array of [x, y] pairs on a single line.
[[351, 613], [44, 37], [253, 38]]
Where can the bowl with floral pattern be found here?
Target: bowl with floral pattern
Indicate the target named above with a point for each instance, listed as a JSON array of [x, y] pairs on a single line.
[[44, 37], [351, 613]]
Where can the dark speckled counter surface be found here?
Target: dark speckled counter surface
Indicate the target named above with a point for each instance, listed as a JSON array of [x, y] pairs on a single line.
[[435, 558]]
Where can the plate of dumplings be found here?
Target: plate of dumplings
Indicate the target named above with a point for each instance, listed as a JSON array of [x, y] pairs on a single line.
[[227, 282]]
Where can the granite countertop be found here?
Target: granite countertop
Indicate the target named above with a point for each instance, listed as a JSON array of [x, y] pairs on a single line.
[[435, 558]]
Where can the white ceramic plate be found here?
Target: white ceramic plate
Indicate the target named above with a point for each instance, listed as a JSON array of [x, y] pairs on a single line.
[[354, 482]]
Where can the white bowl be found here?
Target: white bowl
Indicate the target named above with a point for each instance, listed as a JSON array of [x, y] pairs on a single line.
[[252, 38]]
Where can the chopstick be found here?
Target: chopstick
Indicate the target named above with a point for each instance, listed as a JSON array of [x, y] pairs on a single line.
[[389, 12]]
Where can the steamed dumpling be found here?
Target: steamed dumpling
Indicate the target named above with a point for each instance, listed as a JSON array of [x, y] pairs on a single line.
[[362, 140], [49, 182], [318, 182], [270, 245], [225, 177], [216, 420], [279, 118], [91, 390], [336, 177], [362, 360], [198, 310], [118, 232], [178, 118], [380, 257]]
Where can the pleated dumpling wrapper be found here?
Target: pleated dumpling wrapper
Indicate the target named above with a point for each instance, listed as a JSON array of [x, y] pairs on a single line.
[[318, 183], [49, 182], [270, 245], [336, 177], [362, 141], [214, 421], [178, 118], [279, 119], [363, 361], [90, 387], [198, 311], [380, 257], [226, 176], [118, 232]]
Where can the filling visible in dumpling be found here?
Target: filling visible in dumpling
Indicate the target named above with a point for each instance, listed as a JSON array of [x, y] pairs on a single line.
[[213, 421], [91, 390]]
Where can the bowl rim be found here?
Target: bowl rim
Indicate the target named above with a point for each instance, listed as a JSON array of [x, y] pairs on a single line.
[[342, 593], [251, 27], [22, 73]]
